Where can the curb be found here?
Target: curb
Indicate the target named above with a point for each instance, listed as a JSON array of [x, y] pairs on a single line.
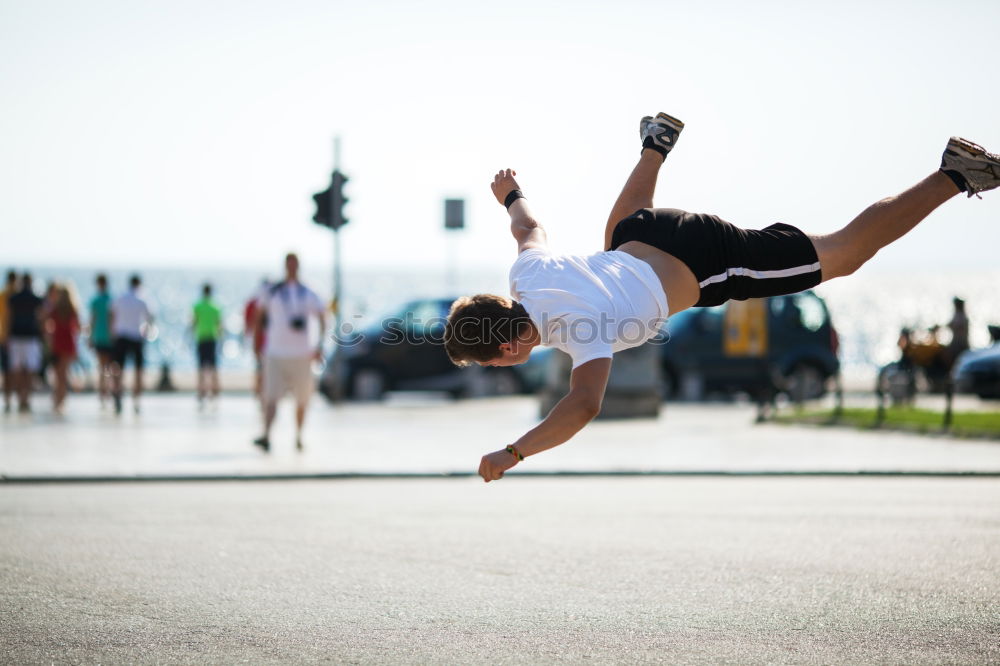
[[351, 476]]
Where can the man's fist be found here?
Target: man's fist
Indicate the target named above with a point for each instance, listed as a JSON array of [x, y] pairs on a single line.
[[504, 184], [493, 465]]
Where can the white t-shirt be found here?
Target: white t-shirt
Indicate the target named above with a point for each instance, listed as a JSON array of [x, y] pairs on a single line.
[[284, 303], [589, 307], [130, 314]]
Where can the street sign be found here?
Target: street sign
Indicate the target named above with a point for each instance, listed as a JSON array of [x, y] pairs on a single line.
[[454, 213]]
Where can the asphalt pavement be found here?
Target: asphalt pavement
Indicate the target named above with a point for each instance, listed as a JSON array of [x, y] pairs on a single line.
[[378, 545], [523, 571]]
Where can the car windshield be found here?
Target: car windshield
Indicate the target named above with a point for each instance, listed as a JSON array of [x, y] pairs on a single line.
[[811, 311], [681, 319]]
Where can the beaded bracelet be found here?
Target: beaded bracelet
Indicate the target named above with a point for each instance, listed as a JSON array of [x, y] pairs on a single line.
[[514, 452]]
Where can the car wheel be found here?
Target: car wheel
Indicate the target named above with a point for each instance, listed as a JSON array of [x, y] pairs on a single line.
[[505, 383], [668, 385], [805, 382], [368, 384]]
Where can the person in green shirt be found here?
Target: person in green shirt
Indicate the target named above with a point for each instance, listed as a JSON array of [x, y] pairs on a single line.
[[100, 336], [207, 325]]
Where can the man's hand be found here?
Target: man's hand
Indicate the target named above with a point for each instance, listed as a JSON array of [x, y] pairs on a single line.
[[504, 184], [493, 465]]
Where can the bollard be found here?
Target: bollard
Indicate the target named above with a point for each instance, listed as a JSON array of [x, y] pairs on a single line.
[[880, 404], [165, 384], [838, 405], [949, 394]]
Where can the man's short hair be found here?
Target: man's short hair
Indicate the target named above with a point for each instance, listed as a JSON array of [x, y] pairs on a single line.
[[478, 325], [135, 280]]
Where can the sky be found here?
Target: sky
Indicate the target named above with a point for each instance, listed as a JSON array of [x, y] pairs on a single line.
[[191, 133]]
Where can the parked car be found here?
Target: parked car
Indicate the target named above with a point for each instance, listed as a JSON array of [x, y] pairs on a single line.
[[978, 371], [800, 358], [405, 352]]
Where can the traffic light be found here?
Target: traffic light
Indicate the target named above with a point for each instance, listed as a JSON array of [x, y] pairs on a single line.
[[337, 199], [322, 216], [330, 203]]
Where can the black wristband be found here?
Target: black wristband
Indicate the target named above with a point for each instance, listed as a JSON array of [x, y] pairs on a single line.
[[511, 198]]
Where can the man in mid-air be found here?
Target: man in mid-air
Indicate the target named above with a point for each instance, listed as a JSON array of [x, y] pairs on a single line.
[[657, 262]]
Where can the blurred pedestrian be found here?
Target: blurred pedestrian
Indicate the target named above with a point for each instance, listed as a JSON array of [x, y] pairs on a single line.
[[255, 330], [48, 304], [9, 289], [62, 326], [207, 325], [130, 317], [288, 351], [24, 343], [959, 326], [100, 337]]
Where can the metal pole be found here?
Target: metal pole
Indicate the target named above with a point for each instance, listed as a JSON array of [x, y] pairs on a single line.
[[452, 277], [337, 330], [336, 247], [949, 394]]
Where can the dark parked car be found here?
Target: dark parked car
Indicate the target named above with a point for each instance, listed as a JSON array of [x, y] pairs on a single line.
[[978, 371], [405, 352], [801, 351]]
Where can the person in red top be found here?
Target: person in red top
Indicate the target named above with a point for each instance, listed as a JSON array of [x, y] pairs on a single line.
[[256, 333], [62, 326]]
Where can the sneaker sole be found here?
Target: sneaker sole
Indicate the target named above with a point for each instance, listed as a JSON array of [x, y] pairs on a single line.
[[670, 120], [958, 145]]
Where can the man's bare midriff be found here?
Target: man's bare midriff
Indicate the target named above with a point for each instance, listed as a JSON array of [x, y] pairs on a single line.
[[678, 282]]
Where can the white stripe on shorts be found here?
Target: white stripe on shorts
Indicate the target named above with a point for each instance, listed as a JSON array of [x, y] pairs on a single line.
[[759, 275]]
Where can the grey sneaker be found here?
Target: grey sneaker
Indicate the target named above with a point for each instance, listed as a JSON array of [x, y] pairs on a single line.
[[660, 133], [979, 169]]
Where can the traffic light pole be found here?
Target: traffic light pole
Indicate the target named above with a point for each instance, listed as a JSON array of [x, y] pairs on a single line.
[[338, 331]]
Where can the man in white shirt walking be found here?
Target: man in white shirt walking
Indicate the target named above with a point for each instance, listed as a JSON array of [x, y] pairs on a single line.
[[288, 350], [130, 317]]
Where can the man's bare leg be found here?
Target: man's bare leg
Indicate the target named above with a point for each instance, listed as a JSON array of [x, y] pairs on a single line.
[[659, 135], [8, 388], [270, 411], [637, 193], [103, 376], [137, 389], [300, 419], [844, 251], [117, 385], [23, 379]]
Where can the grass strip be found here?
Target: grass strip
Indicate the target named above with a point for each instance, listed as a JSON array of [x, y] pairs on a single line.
[[912, 419]]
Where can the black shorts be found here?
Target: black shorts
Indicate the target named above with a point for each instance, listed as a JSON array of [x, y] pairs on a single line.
[[206, 354], [729, 262], [4, 358], [126, 347]]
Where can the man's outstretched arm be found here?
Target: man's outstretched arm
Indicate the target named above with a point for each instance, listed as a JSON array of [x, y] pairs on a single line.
[[526, 230], [568, 417]]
